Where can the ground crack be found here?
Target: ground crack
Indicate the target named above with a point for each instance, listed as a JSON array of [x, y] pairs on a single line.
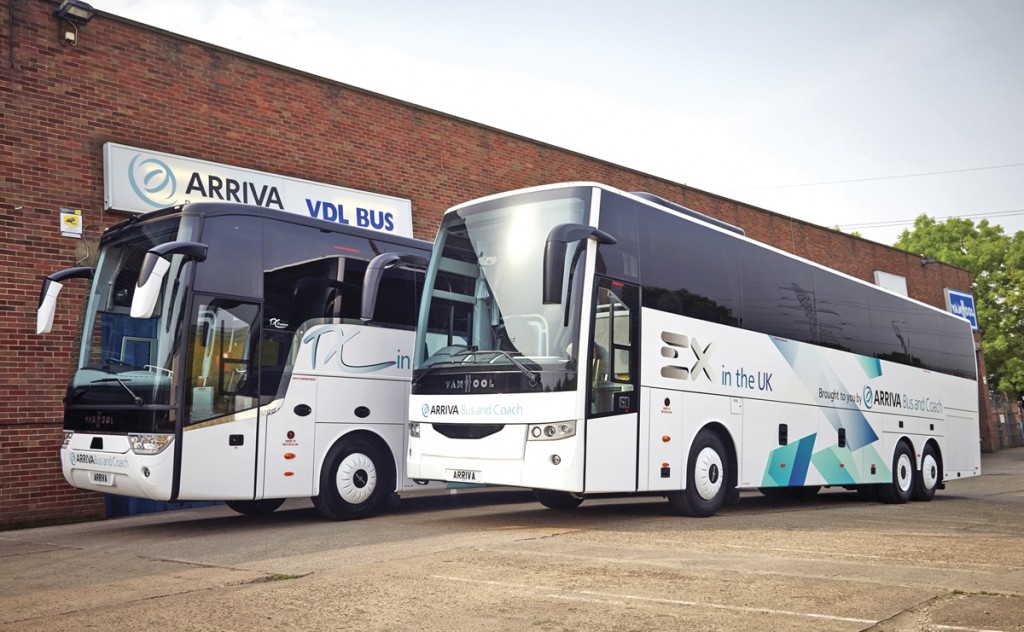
[[275, 577], [913, 617]]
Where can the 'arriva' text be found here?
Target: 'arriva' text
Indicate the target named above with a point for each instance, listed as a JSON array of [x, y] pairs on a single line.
[[497, 410]]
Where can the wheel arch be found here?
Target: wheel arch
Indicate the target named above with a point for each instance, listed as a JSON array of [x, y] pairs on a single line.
[[723, 433], [937, 449], [918, 450], [907, 441]]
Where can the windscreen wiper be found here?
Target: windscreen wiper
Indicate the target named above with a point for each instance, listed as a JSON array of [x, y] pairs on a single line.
[[135, 398], [534, 377], [449, 361]]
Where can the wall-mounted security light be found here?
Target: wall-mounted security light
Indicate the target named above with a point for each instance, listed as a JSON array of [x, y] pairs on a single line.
[[926, 260], [73, 13]]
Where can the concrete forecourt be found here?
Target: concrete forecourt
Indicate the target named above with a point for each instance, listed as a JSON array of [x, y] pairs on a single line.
[[497, 560]]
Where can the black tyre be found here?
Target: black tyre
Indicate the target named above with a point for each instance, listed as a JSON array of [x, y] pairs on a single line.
[[557, 500], [255, 507], [902, 486], [356, 481], [707, 478], [929, 477]]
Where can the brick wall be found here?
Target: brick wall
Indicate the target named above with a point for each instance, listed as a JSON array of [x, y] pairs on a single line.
[[130, 84]]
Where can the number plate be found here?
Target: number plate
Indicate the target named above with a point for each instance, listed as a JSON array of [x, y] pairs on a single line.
[[103, 478], [463, 476]]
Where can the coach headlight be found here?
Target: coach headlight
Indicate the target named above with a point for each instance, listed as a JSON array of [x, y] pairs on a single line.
[[149, 443], [414, 429], [550, 432]]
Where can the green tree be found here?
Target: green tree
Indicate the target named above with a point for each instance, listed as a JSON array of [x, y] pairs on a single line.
[[852, 233], [996, 263]]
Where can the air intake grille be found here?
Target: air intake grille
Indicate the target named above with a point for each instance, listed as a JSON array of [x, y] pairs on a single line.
[[468, 431]]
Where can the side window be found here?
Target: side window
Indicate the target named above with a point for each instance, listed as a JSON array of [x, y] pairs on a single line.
[[327, 289], [223, 377], [842, 316], [613, 358], [233, 266], [689, 269], [618, 218], [891, 329], [939, 344], [449, 322], [779, 297]]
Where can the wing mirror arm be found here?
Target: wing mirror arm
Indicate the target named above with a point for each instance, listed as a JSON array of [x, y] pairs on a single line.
[[554, 255], [375, 274], [154, 267], [50, 290]]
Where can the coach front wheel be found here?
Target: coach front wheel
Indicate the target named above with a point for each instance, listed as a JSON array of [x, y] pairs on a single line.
[[355, 482], [707, 480]]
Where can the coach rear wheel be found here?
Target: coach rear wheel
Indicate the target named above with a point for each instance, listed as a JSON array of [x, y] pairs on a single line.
[[255, 507], [557, 500], [355, 482], [902, 485], [928, 479], [707, 480]]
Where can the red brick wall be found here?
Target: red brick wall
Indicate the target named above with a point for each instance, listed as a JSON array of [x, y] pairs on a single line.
[[129, 84]]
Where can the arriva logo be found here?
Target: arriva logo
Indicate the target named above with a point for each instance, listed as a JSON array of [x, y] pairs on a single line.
[[702, 354], [869, 397], [153, 181], [425, 410]]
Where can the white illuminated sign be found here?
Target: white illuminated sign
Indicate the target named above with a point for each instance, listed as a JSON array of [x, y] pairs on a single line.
[[140, 180]]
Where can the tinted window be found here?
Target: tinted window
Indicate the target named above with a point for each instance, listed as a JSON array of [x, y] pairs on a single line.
[[316, 274], [618, 219], [890, 328], [843, 320], [398, 298], [693, 270], [285, 244], [688, 269], [940, 343], [235, 258], [778, 295]]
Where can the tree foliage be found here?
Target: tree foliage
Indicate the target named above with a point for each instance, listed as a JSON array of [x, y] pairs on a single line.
[[996, 263]]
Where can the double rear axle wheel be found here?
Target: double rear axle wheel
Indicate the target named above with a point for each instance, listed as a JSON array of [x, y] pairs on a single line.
[[909, 483]]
